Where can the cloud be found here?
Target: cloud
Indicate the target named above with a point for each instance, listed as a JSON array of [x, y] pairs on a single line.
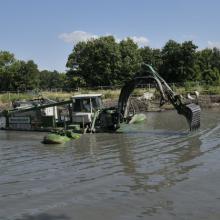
[[212, 44], [140, 41], [77, 36]]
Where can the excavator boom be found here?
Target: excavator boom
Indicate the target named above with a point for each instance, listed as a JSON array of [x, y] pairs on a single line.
[[191, 111]]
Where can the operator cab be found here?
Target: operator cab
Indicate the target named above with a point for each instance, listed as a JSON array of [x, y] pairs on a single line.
[[84, 106]]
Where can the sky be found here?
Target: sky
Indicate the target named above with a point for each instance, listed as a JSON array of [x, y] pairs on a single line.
[[47, 30]]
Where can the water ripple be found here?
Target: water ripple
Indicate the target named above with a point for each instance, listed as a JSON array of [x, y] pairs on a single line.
[[153, 157]]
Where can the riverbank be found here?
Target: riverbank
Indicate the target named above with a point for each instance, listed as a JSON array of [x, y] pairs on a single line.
[[6, 99], [110, 98], [153, 105]]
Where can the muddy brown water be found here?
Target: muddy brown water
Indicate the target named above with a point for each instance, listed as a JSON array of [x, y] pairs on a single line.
[[156, 170]]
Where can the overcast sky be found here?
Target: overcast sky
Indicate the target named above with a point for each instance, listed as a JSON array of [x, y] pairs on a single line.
[[46, 30]]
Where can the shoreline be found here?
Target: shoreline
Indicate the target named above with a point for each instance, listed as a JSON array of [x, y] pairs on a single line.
[[205, 101]]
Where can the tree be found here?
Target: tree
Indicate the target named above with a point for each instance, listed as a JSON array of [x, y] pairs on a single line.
[[211, 76], [7, 59], [151, 56], [209, 64], [103, 61], [27, 76], [178, 61], [20, 75], [74, 80], [51, 79], [215, 59], [97, 61], [188, 61], [130, 59]]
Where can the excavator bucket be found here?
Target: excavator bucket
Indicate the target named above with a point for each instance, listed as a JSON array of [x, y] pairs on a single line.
[[192, 113]]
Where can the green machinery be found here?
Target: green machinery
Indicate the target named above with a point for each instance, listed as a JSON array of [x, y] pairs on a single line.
[[110, 119], [86, 112]]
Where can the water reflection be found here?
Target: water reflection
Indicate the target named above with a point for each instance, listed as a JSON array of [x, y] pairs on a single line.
[[162, 161], [44, 217], [160, 166], [134, 167]]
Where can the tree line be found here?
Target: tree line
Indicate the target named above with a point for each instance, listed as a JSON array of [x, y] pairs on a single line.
[[18, 75], [106, 62]]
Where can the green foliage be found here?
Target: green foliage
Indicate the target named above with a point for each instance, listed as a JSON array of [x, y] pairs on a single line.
[[106, 62], [98, 61], [209, 64], [6, 59], [74, 80], [151, 56], [51, 80], [7, 63], [211, 76], [26, 76], [21, 76], [130, 60], [103, 61], [178, 61]]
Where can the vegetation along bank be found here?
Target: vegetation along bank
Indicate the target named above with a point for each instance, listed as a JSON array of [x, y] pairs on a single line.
[[106, 63]]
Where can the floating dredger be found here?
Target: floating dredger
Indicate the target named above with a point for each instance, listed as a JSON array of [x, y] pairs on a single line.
[[85, 113]]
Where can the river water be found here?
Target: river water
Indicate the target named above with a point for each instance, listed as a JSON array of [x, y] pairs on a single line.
[[156, 170]]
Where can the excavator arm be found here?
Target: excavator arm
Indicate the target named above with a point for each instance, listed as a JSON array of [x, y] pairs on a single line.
[[190, 111], [129, 87]]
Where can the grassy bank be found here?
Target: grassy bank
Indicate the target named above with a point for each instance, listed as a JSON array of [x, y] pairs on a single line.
[[59, 96], [7, 98]]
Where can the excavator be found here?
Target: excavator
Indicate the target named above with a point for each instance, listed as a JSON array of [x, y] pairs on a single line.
[[87, 113], [111, 118]]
